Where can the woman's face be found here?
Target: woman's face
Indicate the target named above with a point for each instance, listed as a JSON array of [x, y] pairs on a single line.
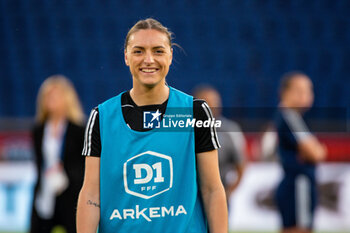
[[148, 55], [300, 93], [55, 102]]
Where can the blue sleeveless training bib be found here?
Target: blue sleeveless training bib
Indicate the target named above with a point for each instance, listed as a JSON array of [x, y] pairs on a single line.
[[148, 180]]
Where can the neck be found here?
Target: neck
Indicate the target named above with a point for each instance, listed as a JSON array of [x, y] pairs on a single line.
[[286, 105], [56, 120], [149, 96]]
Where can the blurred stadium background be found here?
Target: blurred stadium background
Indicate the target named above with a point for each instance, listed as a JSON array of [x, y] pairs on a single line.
[[240, 47]]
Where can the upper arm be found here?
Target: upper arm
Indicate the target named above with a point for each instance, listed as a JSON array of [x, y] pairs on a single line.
[[307, 144], [92, 142], [205, 137], [208, 170], [299, 132]]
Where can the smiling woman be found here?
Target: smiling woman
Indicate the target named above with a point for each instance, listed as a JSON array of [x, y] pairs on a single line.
[[148, 55], [163, 181]]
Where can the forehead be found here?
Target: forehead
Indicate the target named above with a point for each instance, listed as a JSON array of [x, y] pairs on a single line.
[[301, 81], [148, 38], [208, 93], [54, 88]]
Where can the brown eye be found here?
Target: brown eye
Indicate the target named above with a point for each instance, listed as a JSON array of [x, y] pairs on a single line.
[[159, 51], [137, 52]]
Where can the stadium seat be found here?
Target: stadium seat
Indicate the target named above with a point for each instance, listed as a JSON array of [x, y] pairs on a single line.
[[234, 40]]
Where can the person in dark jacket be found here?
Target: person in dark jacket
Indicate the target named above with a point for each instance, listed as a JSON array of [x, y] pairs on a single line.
[[299, 153], [58, 138]]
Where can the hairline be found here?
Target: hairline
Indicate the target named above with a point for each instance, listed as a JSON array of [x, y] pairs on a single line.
[[155, 26]]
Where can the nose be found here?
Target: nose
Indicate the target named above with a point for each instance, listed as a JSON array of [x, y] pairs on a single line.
[[149, 58]]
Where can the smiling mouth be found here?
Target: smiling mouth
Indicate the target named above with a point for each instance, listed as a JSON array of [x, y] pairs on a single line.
[[149, 70]]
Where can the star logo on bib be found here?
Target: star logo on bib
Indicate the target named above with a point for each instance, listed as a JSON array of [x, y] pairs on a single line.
[[156, 115]]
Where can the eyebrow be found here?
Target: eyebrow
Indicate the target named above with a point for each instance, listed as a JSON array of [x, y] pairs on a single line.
[[140, 47], [159, 47]]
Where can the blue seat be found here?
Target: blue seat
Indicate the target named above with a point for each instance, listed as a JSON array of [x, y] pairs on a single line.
[[87, 30]]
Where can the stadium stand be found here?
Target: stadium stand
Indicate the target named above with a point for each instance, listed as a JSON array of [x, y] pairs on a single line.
[[230, 41]]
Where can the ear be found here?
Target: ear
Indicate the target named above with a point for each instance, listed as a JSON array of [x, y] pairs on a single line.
[[126, 57], [171, 55]]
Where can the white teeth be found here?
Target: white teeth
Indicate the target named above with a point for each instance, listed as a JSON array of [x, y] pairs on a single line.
[[148, 70]]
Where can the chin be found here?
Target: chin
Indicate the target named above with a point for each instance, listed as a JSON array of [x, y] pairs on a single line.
[[150, 83]]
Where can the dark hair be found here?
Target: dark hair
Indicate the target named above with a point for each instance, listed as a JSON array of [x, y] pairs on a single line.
[[287, 79], [149, 23]]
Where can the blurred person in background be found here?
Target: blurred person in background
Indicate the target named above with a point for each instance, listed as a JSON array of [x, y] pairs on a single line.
[[232, 141], [58, 138], [268, 143], [299, 152]]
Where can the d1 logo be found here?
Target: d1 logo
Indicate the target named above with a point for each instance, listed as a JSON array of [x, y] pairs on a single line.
[[148, 174]]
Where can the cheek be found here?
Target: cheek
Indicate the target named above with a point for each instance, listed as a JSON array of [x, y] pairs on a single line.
[[62, 102], [134, 62], [311, 99], [167, 63], [305, 99], [47, 104], [58, 102], [170, 58]]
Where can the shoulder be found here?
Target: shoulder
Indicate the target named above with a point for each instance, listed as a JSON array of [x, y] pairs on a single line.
[[202, 109], [38, 127], [230, 125], [37, 131], [279, 120], [293, 125], [179, 99], [180, 92], [200, 104], [73, 127], [293, 120], [94, 116]]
